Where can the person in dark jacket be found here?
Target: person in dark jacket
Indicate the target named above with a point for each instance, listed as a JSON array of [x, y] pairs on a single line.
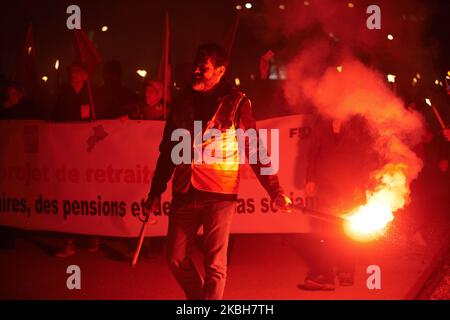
[[75, 104], [340, 162], [204, 194], [114, 100], [15, 105], [73, 101]]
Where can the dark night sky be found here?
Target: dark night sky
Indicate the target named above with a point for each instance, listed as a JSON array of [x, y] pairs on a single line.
[[135, 31]]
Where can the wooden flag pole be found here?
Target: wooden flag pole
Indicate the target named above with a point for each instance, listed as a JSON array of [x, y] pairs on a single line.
[[91, 100], [141, 239]]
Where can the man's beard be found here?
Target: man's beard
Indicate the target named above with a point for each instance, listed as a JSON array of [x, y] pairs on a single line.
[[202, 84], [199, 84]]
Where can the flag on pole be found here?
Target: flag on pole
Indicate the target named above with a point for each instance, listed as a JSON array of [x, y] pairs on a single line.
[[164, 66], [85, 51], [87, 54], [264, 64]]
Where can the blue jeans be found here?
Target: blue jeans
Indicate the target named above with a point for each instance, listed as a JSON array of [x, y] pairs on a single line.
[[187, 214]]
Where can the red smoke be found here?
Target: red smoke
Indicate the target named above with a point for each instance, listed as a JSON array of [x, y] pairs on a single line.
[[328, 74]]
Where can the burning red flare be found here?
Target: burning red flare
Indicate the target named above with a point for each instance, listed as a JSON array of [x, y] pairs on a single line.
[[369, 221]]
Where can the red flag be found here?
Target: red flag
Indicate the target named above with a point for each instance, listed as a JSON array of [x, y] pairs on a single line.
[[26, 71], [85, 51], [88, 55], [231, 36], [264, 64], [164, 66]]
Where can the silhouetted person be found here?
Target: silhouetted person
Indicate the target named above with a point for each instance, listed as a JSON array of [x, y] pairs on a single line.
[[114, 99], [73, 103], [152, 106], [15, 105], [339, 166]]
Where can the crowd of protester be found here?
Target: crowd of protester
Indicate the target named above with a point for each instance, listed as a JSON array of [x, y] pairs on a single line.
[[78, 100]]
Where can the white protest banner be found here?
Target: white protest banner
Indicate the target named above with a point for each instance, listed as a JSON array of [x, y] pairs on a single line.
[[90, 178]]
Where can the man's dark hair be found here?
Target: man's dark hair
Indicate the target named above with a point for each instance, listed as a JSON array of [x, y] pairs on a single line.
[[217, 53]]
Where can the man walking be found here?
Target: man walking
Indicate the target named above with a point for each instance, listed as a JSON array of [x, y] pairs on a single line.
[[205, 194]]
